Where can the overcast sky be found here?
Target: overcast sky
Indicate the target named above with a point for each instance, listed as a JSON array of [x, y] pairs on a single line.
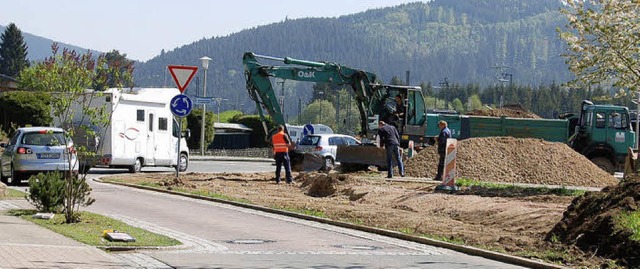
[[142, 28]]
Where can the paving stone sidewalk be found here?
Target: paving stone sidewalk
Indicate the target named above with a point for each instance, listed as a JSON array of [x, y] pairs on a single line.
[[24, 244]]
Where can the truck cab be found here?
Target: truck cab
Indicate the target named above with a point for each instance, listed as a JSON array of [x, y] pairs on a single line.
[[603, 134]]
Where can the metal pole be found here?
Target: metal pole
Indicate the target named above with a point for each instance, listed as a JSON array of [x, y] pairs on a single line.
[[204, 113], [179, 140], [219, 99]]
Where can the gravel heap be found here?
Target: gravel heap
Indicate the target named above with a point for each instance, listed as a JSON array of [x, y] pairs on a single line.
[[515, 160], [512, 111]]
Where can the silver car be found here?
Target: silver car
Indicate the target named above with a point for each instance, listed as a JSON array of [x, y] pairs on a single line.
[[325, 145], [32, 150]]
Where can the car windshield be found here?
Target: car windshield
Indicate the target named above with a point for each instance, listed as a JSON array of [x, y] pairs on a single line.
[[43, 138], [309, 140]]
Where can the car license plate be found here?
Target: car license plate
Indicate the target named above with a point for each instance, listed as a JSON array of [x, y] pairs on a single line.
[[48, 155]]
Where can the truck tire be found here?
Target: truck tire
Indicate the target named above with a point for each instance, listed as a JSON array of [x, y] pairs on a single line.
[[136, 167], [604, 164]]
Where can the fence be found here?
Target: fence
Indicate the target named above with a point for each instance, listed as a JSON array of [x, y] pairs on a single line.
[[248, 152]]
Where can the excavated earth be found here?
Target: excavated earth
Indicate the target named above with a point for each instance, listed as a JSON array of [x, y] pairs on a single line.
[[576, 232], [512, 111], [515, 160]]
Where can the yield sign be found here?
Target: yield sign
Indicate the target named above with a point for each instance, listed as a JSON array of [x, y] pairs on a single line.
[[182, 75]]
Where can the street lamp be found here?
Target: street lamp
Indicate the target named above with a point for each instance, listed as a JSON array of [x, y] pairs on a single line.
[[205, 65]]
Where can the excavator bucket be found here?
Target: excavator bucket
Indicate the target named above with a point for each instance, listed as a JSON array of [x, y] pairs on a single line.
[[305, 161], [360, 156]]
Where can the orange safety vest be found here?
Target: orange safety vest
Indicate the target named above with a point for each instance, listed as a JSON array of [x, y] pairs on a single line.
[[279, 143]]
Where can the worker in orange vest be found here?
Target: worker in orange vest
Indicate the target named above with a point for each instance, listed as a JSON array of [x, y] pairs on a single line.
[[281, 143]]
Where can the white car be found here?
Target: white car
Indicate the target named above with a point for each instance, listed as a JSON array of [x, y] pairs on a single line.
[[32, 150], [325, 145]]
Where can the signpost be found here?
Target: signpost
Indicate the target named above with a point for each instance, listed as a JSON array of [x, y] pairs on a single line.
[[181, 105], [308, 129], [204, 100]]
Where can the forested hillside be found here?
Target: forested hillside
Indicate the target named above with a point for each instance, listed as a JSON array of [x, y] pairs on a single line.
[[40, 47], [477, 42]]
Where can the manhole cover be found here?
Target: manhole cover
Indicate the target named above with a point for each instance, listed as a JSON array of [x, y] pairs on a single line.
[[358, 247], [249, 241]]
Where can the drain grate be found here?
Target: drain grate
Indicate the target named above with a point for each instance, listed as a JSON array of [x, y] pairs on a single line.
[[358, 247], [249, 241]]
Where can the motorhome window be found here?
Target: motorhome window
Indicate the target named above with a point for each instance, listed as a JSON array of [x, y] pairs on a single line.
[[151, 122], [162, 124], [600, 120], [140, 116]]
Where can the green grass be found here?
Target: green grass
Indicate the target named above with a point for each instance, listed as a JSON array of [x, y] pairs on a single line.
[[89, 230], [204, 193], [464, 182], [13, 194], [630, 221], [305, 211]]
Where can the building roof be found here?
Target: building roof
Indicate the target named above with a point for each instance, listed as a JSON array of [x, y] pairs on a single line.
[[231, 126]]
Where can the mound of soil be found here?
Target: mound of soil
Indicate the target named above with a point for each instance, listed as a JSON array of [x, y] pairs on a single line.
[[320, 184], [515, 160], [592, 223], [512, 111]]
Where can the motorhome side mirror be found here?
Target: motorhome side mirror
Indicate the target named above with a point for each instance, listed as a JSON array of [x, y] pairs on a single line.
[[3, 145], [186, 134]]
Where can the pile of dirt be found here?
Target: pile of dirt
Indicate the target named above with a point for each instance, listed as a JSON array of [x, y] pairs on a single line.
[[320, 184], [592, 222], [511, 111], [515, 160]]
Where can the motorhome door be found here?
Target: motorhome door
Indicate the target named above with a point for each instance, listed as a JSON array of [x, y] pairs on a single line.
[[151, 140]]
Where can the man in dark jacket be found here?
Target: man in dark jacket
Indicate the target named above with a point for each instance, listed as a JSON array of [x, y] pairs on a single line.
[[442, 147], [390, 139]]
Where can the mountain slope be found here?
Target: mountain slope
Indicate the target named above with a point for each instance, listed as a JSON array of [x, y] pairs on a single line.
[[464, 41], [40, 47]]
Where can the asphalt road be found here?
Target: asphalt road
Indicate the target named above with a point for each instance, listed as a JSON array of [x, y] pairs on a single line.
[[223, 236]]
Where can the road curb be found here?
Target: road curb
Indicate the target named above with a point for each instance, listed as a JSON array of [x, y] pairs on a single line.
[[236, 159], [497, 256]]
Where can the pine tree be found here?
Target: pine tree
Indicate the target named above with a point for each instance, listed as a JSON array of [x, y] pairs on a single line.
[[13, 52]]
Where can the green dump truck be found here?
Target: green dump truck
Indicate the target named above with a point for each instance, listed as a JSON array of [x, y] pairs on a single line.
[[602, 133]]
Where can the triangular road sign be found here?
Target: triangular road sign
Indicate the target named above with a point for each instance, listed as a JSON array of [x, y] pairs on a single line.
[[182, 75]]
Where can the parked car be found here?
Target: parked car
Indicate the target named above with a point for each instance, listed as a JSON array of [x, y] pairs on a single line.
[[325, 145], [32, 150]]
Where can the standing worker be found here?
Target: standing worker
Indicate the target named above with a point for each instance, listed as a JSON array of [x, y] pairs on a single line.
[[390, 139], [281, 143], [442, 147]]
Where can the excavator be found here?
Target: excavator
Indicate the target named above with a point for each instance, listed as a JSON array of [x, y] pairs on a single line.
[[375, 102]]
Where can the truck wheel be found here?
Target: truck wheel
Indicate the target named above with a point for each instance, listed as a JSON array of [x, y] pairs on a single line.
[[184, 162], [136, 167], [604, 164]]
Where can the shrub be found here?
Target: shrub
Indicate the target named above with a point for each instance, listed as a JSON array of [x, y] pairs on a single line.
[[46, 191]]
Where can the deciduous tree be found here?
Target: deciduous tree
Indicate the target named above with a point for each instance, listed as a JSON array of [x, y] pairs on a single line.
[[602, 38]]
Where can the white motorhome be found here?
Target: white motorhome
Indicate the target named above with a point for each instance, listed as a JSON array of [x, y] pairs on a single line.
[[142, 130], [296, 132]]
